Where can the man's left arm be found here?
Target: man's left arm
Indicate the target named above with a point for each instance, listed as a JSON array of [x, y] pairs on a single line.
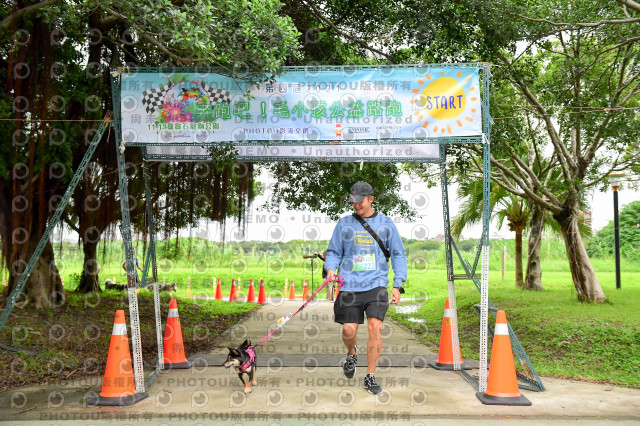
[[398, 258]]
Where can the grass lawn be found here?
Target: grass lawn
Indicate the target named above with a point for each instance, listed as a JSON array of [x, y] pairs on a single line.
[[562, 337], [72, 340]]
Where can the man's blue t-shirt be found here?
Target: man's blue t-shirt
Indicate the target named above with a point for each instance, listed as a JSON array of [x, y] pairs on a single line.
[[358, 257]]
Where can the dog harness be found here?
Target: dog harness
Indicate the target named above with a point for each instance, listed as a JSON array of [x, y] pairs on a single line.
[[338, 278], [252, 359]]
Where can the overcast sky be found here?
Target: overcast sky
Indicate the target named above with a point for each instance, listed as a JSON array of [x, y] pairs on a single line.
[[290, 225]]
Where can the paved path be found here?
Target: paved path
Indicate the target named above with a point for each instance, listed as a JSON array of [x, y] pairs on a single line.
[[300, 379]]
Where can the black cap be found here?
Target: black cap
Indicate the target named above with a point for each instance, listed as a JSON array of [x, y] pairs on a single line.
[[359, 190]]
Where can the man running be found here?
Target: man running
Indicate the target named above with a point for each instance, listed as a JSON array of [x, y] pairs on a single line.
[[361, 255], [124, 266]]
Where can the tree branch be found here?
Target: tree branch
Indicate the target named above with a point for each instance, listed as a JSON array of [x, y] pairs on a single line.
[[561, 151], [149, 38], [319, 15], [631, 4], [612, 169], [109, 22], [25, 11], [71, 225], [597, 141], [521, 165], [152, 40], [569, 26], [499, 177], [563, 154], [530, 194], [548, 171]]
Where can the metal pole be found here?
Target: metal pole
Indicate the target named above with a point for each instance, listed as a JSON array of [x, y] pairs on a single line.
[[453, 304], [312, 287], [484, 283], [504, 261], [53, 222], [616, 235], [125, 230], [152, 255]]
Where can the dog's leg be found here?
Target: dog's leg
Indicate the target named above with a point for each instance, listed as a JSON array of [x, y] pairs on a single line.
[[247, 389], [252, 375], [254, 368]]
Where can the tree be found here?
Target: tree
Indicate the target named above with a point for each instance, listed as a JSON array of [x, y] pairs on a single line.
[[377, 33], [580, 82], [510, 208], [44, 67], [323, 187]]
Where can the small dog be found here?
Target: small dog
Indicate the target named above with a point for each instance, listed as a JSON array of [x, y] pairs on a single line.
[[110, 285], [167, 287], [243, 359]]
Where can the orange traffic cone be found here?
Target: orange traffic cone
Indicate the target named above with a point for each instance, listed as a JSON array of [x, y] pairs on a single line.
[[445, 353], [219, 290], [292, 291], [173, 348], [262, 295], [118, 385], [502, 385], [251, 295], [232, 294], [305, 290]]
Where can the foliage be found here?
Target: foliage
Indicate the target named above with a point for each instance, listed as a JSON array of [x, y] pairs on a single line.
[[379, 33], [75, 279], [561, 336], [55, 64], [324, 187], [248, 38], [603, 242], [75, 334]]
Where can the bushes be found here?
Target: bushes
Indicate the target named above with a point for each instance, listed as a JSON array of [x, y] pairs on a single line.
[[602, 243]]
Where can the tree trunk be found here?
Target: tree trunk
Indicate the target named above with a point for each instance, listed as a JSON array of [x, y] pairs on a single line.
[[584, 277], [533, 277], [44, 286], [519, 282], [89, 281]]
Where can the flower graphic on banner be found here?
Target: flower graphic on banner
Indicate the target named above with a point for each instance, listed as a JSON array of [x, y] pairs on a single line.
[[445, 100], [182, 100]]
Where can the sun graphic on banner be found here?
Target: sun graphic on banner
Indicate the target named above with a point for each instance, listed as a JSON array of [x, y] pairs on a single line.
[[443, 99]]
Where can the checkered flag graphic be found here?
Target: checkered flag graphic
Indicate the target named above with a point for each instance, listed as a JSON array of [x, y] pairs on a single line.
[[152, 98], [217, 95]]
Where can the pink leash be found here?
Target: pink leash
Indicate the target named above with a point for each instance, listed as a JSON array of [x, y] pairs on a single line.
[[340, 281]]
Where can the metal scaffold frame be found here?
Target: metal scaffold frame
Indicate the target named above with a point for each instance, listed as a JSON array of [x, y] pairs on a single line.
[[53, 222], [482, 281], [443, 142]]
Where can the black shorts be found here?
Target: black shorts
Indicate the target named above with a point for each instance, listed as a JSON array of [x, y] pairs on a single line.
[[350, 306]]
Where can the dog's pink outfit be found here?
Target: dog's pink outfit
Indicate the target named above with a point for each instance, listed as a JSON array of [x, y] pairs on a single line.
[[252, 359]]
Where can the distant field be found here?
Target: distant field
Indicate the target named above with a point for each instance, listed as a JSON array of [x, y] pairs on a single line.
[[201, 261], [562, 337]]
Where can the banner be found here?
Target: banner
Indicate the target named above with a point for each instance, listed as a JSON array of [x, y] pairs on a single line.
[[384, 104], [333, 152]]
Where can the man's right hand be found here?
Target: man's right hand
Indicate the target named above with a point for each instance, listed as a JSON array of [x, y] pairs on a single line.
[[330, 275]]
